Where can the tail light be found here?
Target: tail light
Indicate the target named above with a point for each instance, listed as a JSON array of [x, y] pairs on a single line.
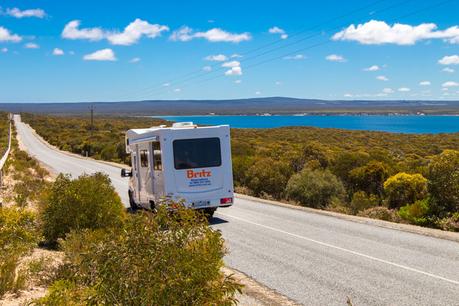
[[226, 201]]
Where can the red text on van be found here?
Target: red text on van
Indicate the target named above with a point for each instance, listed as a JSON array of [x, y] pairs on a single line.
[[195, 174]]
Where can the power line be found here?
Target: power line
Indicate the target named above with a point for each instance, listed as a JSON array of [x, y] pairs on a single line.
[[320, 43]]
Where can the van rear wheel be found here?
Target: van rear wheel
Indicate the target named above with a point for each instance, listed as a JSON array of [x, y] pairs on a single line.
[[209, 212]]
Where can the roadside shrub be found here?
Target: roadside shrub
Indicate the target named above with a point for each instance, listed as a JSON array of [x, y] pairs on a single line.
[[269, 176], [404, 188], [381, 213], [369, 178], [314, 188], [18, 235], [449, 223], [87, 202], [162, 259], [361, 201], [416, 213], [444, 182]]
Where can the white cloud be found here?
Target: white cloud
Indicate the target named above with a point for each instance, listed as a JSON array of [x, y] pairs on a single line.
[[348, 95], [449, 60], [231, 64], [101, 55], [130, 35], [335, 58], [388, 90], [372, 68], [425, 83], [216, 58], [234, 71], [207, 68], [235, 55], [278, 83], [448, 69], [277, 30], [450, 84], [212, 35], [166, 84], [58, 52], [295, 57], [134, 60], [404, 89], [72, 31], [382, 78], [257, 93], [17, 13], [134, 31], [376, 32], [177, 90], [4, 50], [238, 81], [7, 36], [31, 46]]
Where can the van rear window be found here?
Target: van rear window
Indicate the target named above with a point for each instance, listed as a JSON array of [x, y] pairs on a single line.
[[197, 153]]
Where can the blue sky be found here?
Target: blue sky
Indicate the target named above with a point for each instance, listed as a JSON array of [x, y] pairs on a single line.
[[65, 51]]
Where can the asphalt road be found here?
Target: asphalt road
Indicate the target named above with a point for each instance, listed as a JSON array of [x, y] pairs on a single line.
[[312, 258]]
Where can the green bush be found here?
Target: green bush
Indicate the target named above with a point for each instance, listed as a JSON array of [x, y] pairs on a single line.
[[162, 259], [444, 182], [268, 176], [314, 188], [404, 188], [18, 235], [416, 213], [370, 178], [87, 202], [361, 201], [381, 213]]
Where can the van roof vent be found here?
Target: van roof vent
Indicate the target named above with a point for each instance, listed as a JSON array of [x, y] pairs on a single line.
[[183, 124]]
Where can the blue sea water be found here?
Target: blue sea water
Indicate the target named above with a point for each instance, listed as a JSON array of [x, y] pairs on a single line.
[[397, 124]]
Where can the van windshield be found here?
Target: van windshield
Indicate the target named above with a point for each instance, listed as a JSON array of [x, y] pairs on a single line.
[[197, 153]]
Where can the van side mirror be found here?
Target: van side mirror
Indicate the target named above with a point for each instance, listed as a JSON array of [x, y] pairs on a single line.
[[126, 173]]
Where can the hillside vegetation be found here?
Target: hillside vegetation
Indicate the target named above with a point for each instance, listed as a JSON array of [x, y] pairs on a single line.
[[396, 177], [4, 124]]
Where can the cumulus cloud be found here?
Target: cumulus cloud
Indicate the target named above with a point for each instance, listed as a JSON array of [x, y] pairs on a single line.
[[425, 83], [235, 55], [101, 55], [295, 57], [207, 68], [449, 60], [234, 71], [216, 58], [31, 46], [388, 90], [372, 68], [382, 78], [231, 64], [448, 69], [134, 31], [58, 52], [177, 90], [277, 30], [213, 35], [404, 89], [17, 13], [72, 31], [134, 60], [130, 35], [7, 36], [376, 32], [335, 58], [450, 84]]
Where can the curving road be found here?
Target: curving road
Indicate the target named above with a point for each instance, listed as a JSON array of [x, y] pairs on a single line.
[[311, 258]]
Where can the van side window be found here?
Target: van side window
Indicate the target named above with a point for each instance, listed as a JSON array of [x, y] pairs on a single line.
[[157, 162], [143, 158]]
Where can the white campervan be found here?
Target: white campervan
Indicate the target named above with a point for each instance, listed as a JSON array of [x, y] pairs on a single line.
[[183, 163]]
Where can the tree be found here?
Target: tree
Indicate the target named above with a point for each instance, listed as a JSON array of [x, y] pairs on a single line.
[[269, 176], [345, 162], [370, 178], [314, 188], [444, 182], [404, 188]]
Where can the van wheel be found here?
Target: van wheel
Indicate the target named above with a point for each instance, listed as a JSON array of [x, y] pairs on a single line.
[[133, 205], [209, 212]]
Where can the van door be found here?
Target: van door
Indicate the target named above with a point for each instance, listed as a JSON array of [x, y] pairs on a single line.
[[145, 180], [135, 180]]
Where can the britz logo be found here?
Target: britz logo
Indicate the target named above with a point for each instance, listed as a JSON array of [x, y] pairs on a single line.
[[198, 174]]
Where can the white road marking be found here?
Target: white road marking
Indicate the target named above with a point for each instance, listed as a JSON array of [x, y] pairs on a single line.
[[345, 250]]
